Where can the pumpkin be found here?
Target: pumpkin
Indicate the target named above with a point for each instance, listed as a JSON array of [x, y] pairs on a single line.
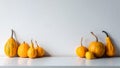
[[81, 50], [40, 50], [110, 49], [32, 53], [22, 50], [11, 46], [96, 47]]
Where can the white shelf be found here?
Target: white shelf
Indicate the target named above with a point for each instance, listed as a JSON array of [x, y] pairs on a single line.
[[59, 61]]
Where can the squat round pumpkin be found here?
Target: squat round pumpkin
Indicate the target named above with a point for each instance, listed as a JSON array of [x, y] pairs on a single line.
[[97, 47], [81, 50], [40, 50]]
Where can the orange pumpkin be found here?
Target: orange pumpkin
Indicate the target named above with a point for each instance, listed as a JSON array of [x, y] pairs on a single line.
[[32, 53], [40, 50], [22, 50], [81, 50], [96, 47]]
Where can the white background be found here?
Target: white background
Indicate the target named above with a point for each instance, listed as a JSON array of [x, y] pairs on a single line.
[[58, 25]]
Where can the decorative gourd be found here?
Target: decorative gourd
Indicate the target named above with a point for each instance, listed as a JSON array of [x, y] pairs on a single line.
[[89, 55], [22, 50], [81, 50], [96, 47], [40, 50], [11, 46], [110, 49], [32, 53]]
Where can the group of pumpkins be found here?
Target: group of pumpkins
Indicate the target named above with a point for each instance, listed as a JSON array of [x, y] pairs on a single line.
[[13, 49], [96, 49]]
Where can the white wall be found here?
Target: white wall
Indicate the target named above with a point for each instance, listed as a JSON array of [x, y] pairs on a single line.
[[58, 25]]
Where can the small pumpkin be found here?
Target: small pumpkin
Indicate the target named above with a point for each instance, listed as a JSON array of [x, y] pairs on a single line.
[[81, 50], [32, 53], [11, 46], [40, 50], [22, 50], [89, 55], [96, 47]]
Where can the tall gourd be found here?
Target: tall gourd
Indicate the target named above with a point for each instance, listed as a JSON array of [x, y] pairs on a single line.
[[11, 46], [110, 49]]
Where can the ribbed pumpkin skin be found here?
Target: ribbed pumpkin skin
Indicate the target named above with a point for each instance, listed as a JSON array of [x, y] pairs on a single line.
[[22, 50], [11, 47]]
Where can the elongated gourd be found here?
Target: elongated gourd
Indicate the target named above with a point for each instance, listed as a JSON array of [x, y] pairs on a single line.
[[11, 46], [110, 49]]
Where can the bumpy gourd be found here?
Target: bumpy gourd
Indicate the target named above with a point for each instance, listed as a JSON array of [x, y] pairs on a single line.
[[22, 50], [40, 50], [32, 53], [81, 50], [11, 47], [110, 49], [96, 47]]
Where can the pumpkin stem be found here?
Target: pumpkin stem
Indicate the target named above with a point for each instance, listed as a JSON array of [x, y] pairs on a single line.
[[36, 43], [32, 45], [81, 41], [105, 33], [95, 36], [12, 33]]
